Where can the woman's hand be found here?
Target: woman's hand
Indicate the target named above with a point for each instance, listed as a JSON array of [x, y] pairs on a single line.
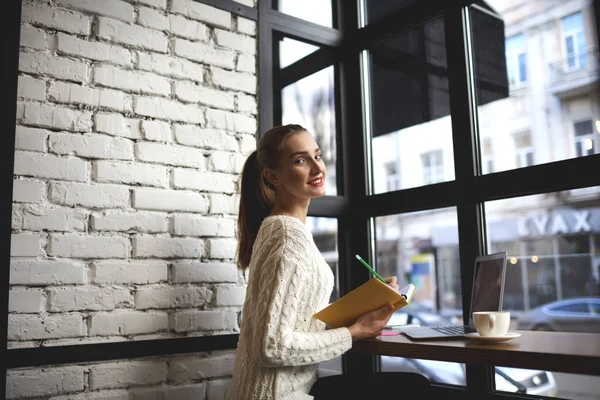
[[371, 324], [393, 282]]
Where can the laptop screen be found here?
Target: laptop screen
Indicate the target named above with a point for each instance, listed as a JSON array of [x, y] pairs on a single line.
[[488, 283]]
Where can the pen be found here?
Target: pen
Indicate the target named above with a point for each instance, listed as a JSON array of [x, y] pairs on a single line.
[[359, 258]]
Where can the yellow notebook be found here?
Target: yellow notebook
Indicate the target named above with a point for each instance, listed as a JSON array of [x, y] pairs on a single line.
[[367, 297]]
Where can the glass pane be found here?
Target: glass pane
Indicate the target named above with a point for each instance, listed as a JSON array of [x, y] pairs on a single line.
[[375, 9], [551, 91], [291, 50], [422, 248], [324, 231], [310, 103], [552, 273], [316, 11], [411, 125]]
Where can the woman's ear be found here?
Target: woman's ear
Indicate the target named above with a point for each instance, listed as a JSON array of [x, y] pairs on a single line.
[[271, 176]]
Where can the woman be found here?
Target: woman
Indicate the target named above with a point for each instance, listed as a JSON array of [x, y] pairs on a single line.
[[280, 342]]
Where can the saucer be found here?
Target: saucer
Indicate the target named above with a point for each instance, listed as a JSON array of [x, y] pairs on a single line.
[[492, 339]]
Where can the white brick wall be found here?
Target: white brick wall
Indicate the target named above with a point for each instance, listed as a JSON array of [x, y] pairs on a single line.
[[134, 118]]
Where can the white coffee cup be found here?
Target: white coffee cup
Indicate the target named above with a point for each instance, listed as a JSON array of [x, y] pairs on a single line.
[[491, 323]]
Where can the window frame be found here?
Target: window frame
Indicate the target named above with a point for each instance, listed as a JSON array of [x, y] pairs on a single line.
[[574, 35], [513, 62]]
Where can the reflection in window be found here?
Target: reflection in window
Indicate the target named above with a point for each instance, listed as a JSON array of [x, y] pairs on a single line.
[[516, 63], [585, 139], [291, 50], [408, 76], [550, 118], [422, 248], [487, 159], [315, 11], [310, 103]]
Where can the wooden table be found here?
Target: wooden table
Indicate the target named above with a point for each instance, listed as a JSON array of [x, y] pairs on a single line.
[[577, 353]]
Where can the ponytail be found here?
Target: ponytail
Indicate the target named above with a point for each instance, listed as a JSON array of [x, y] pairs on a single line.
[[256, 202]]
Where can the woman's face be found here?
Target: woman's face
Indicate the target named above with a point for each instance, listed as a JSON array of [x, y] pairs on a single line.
[[301, 171]]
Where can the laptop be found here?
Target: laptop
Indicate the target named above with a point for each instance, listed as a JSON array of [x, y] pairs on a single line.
[[487, 295]]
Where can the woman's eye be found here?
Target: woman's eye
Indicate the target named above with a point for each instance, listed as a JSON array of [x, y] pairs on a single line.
[[318, 157], [299, 161]]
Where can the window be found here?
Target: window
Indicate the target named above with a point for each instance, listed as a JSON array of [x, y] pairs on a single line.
[[582, 308], [516, 62], [315, 11], [393, 177], [523, 150], [574, 41], [433, 167], [585, 139], [487, 159]]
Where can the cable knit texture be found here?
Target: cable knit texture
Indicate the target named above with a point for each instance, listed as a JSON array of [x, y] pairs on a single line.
[[280, 341]]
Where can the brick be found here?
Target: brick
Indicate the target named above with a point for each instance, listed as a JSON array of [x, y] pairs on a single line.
[[119, 221], [234, 80], [195, 271], [117, 125], [246, 63], [91, 146], [199, 226], [35, 327], [80, 246], [128, 322], [166, 247], [189, 92], [129, 272], [110, 8], [33, 38], [131, 173], [24, 245], [194, 368], [246, 26], [96, 51], [169, 155], [186, 392], [93, 298], [127, 373], [204, 53], [56, 67], [31, 88], [41, 165], [42, 272], [171, 297], [16, 219], [202, 12], [247, 144], [36, 218], [168, 109], [132, 81], [203, 181], [187, 29], [52, 116], [194, 321], [236, 41], [154, 19], [44, 381], [26, 301], [21, 110], [230, 121], [28, 191], [170, 66], [32, 139], [221, 248], [222, 204], [162, 4], [52, 17], [169, 200], [233, 296], [217, 389], [62, 92], [93, 196], [224, 161], [247, 104], [192, 135], [157, 131], [133, 35]]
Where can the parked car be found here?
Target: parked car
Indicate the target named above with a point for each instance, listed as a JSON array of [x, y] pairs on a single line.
[[572, 315], [507, 379]]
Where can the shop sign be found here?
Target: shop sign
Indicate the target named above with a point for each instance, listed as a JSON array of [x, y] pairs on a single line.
[[556, 223]]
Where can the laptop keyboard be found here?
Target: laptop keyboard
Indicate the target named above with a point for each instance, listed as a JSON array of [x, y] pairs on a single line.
[[451, 329]]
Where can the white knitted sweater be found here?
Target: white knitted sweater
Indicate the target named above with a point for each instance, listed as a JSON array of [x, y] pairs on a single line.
[[280, 341]]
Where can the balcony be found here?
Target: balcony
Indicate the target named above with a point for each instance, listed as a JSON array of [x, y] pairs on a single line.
[[575, 75]]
